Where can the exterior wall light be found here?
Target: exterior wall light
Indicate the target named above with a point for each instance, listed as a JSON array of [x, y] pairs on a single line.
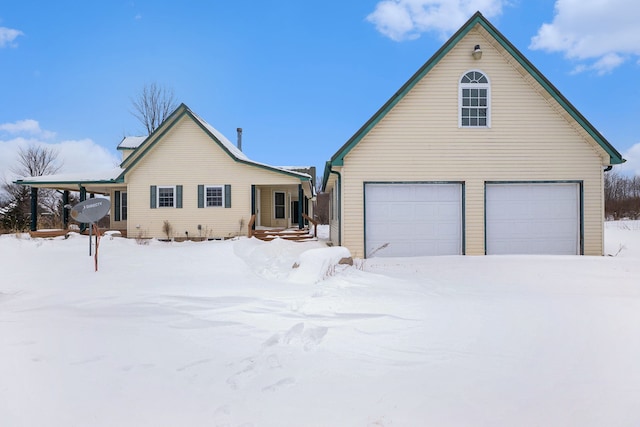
[[477, 52]]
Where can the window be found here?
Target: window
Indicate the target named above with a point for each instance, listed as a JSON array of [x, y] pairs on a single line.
[[123, 206], [120, 205], [166, 197], [214, 196], [279, 205], [474, 100]]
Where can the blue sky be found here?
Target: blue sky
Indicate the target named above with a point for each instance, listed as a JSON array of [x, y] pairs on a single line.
[[299, 77]]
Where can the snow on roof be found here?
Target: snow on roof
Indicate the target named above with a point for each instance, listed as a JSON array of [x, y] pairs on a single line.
[[131, 142], [295, 168], [236, 152], [223, 139], [89, 176]]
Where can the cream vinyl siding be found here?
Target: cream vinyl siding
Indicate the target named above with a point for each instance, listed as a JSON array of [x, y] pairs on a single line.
[[529, 140], [125, 153], [187, 156]]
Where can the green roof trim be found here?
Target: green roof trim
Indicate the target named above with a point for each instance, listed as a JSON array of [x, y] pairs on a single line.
[[75, 182], [32, 183], [327, 172], [477, 19], [168, 124]]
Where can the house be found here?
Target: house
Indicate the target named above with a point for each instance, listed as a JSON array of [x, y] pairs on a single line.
[[477, 153], [187, 174]]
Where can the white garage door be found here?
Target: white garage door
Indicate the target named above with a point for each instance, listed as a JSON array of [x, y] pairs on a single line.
[[535, 218], [413, 219]]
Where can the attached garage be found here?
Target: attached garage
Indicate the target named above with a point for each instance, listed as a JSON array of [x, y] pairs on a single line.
[[533, 218], [531, 165], [413, 219]]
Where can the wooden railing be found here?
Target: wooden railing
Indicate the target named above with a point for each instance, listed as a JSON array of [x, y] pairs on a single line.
[[312, 221], [250, 226]]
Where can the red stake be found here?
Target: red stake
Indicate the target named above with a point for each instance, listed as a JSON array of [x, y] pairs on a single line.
[[97, 231]]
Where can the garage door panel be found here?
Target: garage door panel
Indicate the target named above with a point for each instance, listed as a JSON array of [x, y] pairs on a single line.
[[444, 210], [413, 219], [532, 218]]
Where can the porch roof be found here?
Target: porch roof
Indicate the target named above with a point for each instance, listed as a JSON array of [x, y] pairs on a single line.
[[94, 181]]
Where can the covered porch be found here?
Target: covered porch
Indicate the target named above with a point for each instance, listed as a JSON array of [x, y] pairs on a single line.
[[281, 206], [78, 188]]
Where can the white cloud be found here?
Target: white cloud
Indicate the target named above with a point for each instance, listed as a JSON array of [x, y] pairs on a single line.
[[600, 34], [8, 35], [632, 164], [407, 19], [73, 155], [29, 127]]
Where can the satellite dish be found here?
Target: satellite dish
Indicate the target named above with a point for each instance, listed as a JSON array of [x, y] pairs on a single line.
[[91, 210]]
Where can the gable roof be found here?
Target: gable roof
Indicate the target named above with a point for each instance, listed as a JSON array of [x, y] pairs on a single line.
[[216, 136], [476, 19], [141, 146]]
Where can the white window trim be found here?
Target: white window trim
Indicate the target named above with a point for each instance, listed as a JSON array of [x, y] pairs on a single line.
[[158, 187], [474, 86], [284, 193], [221, 187]]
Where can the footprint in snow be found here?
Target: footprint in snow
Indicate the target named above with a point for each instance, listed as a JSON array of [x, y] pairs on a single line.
[[285, 382], [278, 345], [309, 338]]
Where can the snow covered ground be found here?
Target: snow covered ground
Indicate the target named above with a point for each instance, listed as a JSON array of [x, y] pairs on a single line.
[[229, 334]]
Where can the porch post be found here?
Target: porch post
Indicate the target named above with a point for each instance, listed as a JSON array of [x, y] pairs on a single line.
[[253, 204], [34, 209], [65, 211], [300, 200], [83, 197]]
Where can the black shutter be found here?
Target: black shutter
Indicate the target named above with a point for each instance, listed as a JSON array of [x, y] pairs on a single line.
[[200, 196], [227, 196], [116, 206], [178, 196], [153, 197]]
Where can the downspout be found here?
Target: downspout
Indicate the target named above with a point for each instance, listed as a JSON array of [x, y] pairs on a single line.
[[339, 194], [604, 213]]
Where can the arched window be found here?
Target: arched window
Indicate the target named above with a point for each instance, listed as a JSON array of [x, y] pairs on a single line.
[[474, 100]]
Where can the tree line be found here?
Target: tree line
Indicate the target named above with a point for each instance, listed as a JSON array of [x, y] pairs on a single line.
[[621, 196]]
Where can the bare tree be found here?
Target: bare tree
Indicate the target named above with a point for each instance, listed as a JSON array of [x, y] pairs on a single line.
[[32, 161], [153, 105], [36, 161], [621, 196]]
